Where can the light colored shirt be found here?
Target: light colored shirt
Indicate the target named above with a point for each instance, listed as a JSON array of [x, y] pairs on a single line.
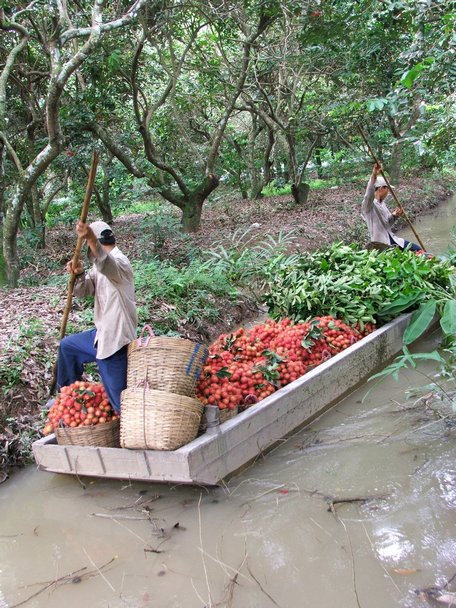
[[110, 280], [378, 218]]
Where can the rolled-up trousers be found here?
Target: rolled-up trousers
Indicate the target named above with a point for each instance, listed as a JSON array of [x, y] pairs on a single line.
[[77, 350]]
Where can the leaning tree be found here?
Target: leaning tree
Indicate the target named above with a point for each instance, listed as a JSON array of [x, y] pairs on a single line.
[[185, 73], [67, 35]]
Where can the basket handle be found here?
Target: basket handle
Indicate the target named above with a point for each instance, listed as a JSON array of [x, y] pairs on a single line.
[[142, 341]]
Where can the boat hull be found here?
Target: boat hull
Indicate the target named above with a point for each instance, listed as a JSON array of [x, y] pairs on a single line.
[[231, 446]]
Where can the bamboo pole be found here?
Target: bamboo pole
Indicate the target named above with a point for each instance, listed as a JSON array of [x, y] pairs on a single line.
[[76, 254], [372, 153]]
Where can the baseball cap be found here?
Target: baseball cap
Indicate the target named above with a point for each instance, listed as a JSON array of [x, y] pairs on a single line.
[[380, 181], [99, 227], [103, 232]]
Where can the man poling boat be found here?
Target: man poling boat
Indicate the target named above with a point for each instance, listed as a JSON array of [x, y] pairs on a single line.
[[110, 280], [376, 213], [378, 217]]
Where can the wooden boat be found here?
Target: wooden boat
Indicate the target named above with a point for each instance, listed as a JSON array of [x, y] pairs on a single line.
[[226, 448]]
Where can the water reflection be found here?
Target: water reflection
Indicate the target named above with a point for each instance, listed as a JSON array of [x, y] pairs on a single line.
[[447, 487], [393, 546], [435, 228]]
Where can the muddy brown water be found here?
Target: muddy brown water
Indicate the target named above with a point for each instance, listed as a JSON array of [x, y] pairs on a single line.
[[266, 538]]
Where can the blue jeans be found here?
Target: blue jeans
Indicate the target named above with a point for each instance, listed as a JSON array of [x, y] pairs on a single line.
[[77, 350], [413, 246]]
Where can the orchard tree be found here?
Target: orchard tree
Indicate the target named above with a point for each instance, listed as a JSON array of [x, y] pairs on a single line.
[[247, 152], [392, 61], [66, 36], [288, 93], [186, 73]]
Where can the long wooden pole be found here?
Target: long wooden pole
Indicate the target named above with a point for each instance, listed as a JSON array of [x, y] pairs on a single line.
[[372, 153], [76, 254]]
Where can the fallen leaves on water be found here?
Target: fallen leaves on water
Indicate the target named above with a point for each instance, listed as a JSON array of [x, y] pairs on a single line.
[[405, 571]]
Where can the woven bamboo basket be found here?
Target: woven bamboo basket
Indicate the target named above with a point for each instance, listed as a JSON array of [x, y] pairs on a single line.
[[224, 415], [99, 435], [167, 364], [158, 420]]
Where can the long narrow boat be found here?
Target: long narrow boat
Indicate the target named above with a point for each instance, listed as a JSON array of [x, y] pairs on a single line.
[[228, 447]]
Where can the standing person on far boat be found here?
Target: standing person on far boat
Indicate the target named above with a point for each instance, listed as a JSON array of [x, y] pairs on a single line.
[[110, 280], [378, 217]]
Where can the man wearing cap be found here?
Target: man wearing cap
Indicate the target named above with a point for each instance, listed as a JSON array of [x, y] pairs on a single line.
[[110, 280], [377, 216]]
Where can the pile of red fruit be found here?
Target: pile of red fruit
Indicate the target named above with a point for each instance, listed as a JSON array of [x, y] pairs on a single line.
[[247, 366], [422, 252], [79, 404]]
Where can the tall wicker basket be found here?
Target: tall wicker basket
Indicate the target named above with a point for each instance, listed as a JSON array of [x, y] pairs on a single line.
[[158, 420], [167, 364]]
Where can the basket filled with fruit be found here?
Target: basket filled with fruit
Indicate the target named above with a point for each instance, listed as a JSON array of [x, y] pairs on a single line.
[[82, 415]]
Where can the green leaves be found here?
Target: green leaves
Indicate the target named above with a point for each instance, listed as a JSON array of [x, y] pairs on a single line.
[[448, 318], [404, 360], [420, 321], [377, 103], [223, 373], [358, 285], [409, 77], [393, 309]]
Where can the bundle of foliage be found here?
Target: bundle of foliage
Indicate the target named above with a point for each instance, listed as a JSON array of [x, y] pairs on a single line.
[[246, 366], [444, 384], [358, 285]]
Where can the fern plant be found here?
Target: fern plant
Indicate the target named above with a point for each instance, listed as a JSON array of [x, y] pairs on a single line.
[[245, 254]]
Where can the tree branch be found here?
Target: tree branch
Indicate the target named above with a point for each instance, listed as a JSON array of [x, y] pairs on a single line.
[[83, 32], [262, 25], [116, 150], [11, 152]]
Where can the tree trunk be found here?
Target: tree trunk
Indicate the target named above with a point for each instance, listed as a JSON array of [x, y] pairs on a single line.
[[192, 204], [10, 226], [318, 162], [40, 232], [191, 214], [39, 225], [396, 163], [30, 211], [15, 207], [103, 200], [2, 183], [300, 193], [256, 192], [267, 166]]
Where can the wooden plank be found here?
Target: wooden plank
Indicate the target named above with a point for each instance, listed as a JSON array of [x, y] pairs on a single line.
[[113, 463], [227, 448]]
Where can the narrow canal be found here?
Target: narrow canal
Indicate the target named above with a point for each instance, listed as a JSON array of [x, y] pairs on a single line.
[[268, 537]]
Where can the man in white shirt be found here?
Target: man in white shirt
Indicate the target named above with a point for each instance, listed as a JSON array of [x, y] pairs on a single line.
[[110, 280], [377, 216]]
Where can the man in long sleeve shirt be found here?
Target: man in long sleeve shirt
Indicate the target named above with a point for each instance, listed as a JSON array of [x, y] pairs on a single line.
[[110, 280], [377, 216]]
